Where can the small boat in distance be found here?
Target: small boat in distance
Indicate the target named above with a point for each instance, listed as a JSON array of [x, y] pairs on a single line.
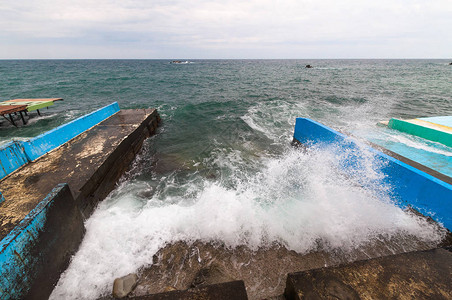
[[179, 62]]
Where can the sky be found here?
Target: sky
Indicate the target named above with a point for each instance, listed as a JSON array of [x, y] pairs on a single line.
[[229, 29]]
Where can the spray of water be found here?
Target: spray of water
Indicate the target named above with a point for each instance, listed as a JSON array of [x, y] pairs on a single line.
[[302, 200]]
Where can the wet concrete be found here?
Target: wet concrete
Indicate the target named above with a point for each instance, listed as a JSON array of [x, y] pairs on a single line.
[[234, 290], [264, 270], [416, 275], [91, 164]]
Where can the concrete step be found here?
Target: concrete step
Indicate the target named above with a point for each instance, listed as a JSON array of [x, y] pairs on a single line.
[[414, 275]]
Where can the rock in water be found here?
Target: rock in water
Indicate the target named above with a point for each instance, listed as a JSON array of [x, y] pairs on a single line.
[[124, 285], [308, 67]]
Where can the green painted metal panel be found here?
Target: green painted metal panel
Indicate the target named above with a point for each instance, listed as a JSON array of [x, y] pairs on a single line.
[[421, 131], [31, 105], [38, 105]]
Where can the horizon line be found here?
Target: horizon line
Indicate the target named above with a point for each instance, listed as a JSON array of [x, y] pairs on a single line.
[[397, 58]]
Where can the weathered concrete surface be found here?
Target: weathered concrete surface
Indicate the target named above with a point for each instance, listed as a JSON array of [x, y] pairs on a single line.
[[264, 270], [91, 164], [415, 275], [35, 253], [234, 290], [18, 153]]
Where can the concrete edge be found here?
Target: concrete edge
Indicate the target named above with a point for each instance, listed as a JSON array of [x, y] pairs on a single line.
[[103, 181], [233, 290], [404, 270], [35, 252]]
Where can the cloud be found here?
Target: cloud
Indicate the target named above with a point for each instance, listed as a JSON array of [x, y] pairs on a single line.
[[258, 29]]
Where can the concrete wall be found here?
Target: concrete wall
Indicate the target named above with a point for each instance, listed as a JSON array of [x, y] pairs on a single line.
[[410, 186], [33, 255], [103, 181], [38, 250], [15, 154]]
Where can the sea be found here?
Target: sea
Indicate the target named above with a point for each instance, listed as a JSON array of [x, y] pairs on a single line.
[[221, 169]]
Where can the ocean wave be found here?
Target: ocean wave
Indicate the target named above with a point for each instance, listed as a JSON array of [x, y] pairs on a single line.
[[301, 200]]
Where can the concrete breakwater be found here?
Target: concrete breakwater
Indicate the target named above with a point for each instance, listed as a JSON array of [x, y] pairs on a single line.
[[52, 184], [264, 271], [272, 271], [181, 265]]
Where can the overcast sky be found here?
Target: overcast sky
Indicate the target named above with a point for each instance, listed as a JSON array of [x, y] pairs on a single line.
[[225, 29]]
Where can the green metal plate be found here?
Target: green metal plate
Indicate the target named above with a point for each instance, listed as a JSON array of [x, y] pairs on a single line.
[[442, 137]]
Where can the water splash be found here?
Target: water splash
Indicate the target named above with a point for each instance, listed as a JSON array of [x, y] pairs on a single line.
[[301, 200]]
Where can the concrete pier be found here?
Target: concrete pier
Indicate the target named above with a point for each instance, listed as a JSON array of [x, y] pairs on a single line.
[[89, 165]]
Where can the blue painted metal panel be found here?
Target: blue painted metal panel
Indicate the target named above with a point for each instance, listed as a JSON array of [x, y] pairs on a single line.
[[15, 255], [35, 253], [12, 157], [432, 155], [410, 186], [15, 154], [40, 145]]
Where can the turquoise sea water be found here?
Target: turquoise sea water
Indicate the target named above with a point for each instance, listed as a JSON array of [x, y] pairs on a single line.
[[221, 167], [259, 99]]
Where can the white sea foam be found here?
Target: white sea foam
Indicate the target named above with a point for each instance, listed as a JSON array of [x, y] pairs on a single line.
[[272, 118], [301, 200], [418, 143]]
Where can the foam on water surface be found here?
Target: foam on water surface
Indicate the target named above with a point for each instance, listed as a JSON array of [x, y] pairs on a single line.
[[221, 169], [300, 200]]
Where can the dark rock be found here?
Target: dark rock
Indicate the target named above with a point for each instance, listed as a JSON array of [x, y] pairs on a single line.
[[308, 67]]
